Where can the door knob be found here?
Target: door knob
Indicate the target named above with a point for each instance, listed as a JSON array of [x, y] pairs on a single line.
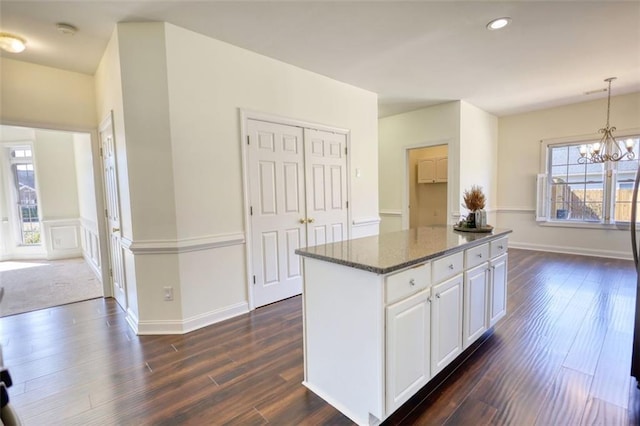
[[303, 221], [311, 220]]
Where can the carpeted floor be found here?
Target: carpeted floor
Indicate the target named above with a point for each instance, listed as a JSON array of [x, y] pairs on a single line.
[[32, 285]]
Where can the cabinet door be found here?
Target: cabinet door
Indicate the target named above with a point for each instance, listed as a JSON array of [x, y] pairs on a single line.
[[476, 293], [446, 323], [408, 329], [498, 289], [442, 169], [427, 170]]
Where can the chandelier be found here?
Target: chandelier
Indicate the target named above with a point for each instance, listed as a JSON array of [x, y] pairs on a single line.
[[608, 149]]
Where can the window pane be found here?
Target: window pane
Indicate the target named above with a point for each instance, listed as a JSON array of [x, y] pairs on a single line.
[[559, 155]]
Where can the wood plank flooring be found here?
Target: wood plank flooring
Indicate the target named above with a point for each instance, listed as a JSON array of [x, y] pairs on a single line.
[[560, 357]]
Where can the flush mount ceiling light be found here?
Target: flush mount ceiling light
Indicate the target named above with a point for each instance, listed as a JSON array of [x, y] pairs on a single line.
[[608, 149], [12, 43], [499, 23], [66, 29]]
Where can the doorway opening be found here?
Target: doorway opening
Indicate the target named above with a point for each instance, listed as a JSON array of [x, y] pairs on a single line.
[[49, 241], [427, 185]]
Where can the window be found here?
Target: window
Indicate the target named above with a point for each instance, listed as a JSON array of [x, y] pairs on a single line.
[[594, 194], [24, 180]]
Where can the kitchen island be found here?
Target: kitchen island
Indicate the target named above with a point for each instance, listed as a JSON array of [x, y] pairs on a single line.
[[384, 314]]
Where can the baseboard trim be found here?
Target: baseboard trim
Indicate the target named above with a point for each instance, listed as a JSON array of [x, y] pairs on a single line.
[[196, 322], [613, 254], [132, 320], [340, 407]]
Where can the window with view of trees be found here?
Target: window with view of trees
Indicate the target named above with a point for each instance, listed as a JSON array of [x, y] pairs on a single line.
[[21, 161], [589, 193]]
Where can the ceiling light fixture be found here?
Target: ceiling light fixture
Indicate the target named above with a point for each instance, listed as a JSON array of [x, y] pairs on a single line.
[[66, 29], [499, 23], [608, 149], [12, 43]]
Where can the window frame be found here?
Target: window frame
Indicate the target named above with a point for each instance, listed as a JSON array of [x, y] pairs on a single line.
[[543, 201]]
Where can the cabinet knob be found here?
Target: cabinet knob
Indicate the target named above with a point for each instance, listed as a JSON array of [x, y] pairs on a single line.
[[429, 299], [480, 255], [500, 247], [451, 266], [438, 295], [412, 282], [115, 229]]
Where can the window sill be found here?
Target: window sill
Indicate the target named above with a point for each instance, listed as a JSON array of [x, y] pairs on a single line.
[[624, 226]]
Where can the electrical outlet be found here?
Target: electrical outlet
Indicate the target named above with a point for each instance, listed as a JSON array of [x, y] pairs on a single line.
[[168, 294]]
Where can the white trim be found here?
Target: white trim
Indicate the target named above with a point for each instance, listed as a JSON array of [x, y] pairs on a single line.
[[585, 225], [366, 221], [246, 114], [132, 320], [182, 245], [572, 250], [155, 327], [390, 213], [528, 210]]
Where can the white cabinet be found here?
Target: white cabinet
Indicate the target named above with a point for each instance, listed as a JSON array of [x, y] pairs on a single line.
[[433, 170], [446, 324], [476, 293], [498, 288], [408, 339]]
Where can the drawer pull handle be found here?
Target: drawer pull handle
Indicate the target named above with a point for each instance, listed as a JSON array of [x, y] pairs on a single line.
[[451, 266], [480, 255], [412, 282], [500, 247]]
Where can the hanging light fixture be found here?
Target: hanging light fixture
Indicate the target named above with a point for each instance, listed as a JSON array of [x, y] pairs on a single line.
[[608, 149]]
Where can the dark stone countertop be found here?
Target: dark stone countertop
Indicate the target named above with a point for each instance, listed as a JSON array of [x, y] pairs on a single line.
[[389, 252]]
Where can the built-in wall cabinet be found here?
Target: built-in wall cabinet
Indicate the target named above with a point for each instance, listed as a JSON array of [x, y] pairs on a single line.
[[433, 170]]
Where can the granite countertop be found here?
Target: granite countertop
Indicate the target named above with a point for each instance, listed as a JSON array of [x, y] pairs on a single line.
[[391, 251]]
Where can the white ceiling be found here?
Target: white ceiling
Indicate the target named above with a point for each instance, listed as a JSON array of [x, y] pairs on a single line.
[[413, 54]]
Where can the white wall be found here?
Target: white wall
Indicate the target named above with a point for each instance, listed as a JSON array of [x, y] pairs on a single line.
[[479, 155], [176, 113], [208, 84], [519, 163], [45, 97], [89, 232], [435, 125]]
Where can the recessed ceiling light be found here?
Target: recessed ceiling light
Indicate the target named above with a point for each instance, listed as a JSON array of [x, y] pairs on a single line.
[[499, 23], [12, 43], [66, 29]]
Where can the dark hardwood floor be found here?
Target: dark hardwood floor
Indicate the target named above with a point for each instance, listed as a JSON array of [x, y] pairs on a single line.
[[560, 357]]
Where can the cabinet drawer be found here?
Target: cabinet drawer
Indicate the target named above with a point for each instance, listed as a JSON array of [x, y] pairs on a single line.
[[447, 267], [476, 255], [499, 246], [407, 282]]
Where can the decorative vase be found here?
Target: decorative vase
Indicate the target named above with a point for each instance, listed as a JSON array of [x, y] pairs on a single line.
[[480, 218], [471, 220]]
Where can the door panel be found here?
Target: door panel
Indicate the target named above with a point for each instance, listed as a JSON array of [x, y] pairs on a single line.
[[326, 186], [276, 194], [112, 204]]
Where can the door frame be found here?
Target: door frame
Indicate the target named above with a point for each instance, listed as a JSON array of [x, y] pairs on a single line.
[[405, 178], [245, 115], [97, 185]]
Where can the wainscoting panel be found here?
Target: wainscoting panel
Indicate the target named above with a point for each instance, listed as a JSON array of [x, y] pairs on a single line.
[[62, 238], [91, 245]]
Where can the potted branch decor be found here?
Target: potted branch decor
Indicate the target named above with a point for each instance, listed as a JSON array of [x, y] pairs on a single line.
[[474, 201]]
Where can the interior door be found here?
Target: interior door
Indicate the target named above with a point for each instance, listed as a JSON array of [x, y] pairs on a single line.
[[112, 203], [276, 193], [326, 186]]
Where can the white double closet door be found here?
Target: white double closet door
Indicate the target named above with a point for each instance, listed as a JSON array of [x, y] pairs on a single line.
[[298, 197]]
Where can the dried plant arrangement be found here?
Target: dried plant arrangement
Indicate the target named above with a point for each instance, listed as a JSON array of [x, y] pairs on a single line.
[[474, 198]]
